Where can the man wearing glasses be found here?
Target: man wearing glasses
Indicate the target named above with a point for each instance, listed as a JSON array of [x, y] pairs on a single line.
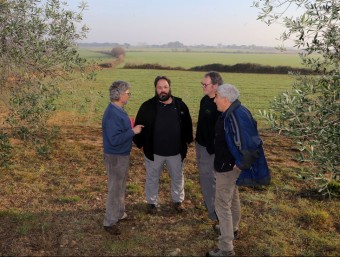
[[167, 132], [205, 135], [117, 141]]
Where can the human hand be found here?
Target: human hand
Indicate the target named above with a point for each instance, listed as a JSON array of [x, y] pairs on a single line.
[[236, 168], [137, 129]]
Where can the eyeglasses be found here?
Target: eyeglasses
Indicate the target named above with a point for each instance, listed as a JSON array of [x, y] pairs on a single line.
[[205, 85], [128, 93]]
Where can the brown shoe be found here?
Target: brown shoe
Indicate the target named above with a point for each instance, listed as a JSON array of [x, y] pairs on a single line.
[[113, 230], [179, 207]]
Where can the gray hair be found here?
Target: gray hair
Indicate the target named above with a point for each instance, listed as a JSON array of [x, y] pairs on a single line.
[[228, 91], [117, 88]]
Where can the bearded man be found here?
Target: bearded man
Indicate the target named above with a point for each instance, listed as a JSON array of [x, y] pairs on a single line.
[[165, 137]]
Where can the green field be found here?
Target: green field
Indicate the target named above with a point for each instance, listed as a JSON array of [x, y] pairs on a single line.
[[191, 59], [257, 90]]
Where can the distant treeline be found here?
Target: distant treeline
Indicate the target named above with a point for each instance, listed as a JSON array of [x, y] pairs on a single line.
[[178, 46], [151, 66], [237, 68]]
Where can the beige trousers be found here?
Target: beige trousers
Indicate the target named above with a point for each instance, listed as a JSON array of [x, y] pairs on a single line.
[[228, 208]]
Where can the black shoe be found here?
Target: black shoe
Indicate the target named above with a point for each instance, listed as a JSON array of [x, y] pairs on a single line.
[[218, 252], [113, 230], [152, 209], [216, 228], [236, 235], [179, 207]]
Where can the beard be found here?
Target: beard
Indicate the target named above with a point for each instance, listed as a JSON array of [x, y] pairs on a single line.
[[163, 96]]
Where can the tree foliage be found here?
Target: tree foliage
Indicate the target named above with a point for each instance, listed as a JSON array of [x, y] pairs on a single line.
[[37, 51], [310, 111], [118, 52]]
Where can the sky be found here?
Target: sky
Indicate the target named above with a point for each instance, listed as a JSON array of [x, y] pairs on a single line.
[[191, 22]]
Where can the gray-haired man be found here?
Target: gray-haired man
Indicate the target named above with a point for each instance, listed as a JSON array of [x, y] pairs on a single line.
[[117, 141], [237, 147]]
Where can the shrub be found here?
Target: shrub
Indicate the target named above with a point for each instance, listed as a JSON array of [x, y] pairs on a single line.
[[310, 111], [118, 52], [38, 50]]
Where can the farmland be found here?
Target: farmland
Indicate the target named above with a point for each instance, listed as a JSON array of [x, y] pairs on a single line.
[[55, 206], [190, 59], [256, 90]]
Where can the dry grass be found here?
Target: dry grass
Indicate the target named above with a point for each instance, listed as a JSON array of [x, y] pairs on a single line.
[[56, 207]]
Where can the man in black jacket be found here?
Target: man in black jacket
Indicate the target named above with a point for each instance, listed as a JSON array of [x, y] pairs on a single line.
[[205, 138], [164, 139]]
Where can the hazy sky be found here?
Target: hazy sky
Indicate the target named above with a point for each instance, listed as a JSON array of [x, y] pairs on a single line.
[[191, 22]]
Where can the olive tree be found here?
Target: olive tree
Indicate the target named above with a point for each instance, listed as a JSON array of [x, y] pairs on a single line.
[[37, 51], [310, 111]]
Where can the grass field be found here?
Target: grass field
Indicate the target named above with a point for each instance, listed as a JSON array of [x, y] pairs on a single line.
[[55, 206], [191, 59], [257, 90]]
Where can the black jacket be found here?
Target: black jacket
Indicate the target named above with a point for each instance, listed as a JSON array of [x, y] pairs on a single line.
[[207, 117], [224, 160], [146, 116]]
